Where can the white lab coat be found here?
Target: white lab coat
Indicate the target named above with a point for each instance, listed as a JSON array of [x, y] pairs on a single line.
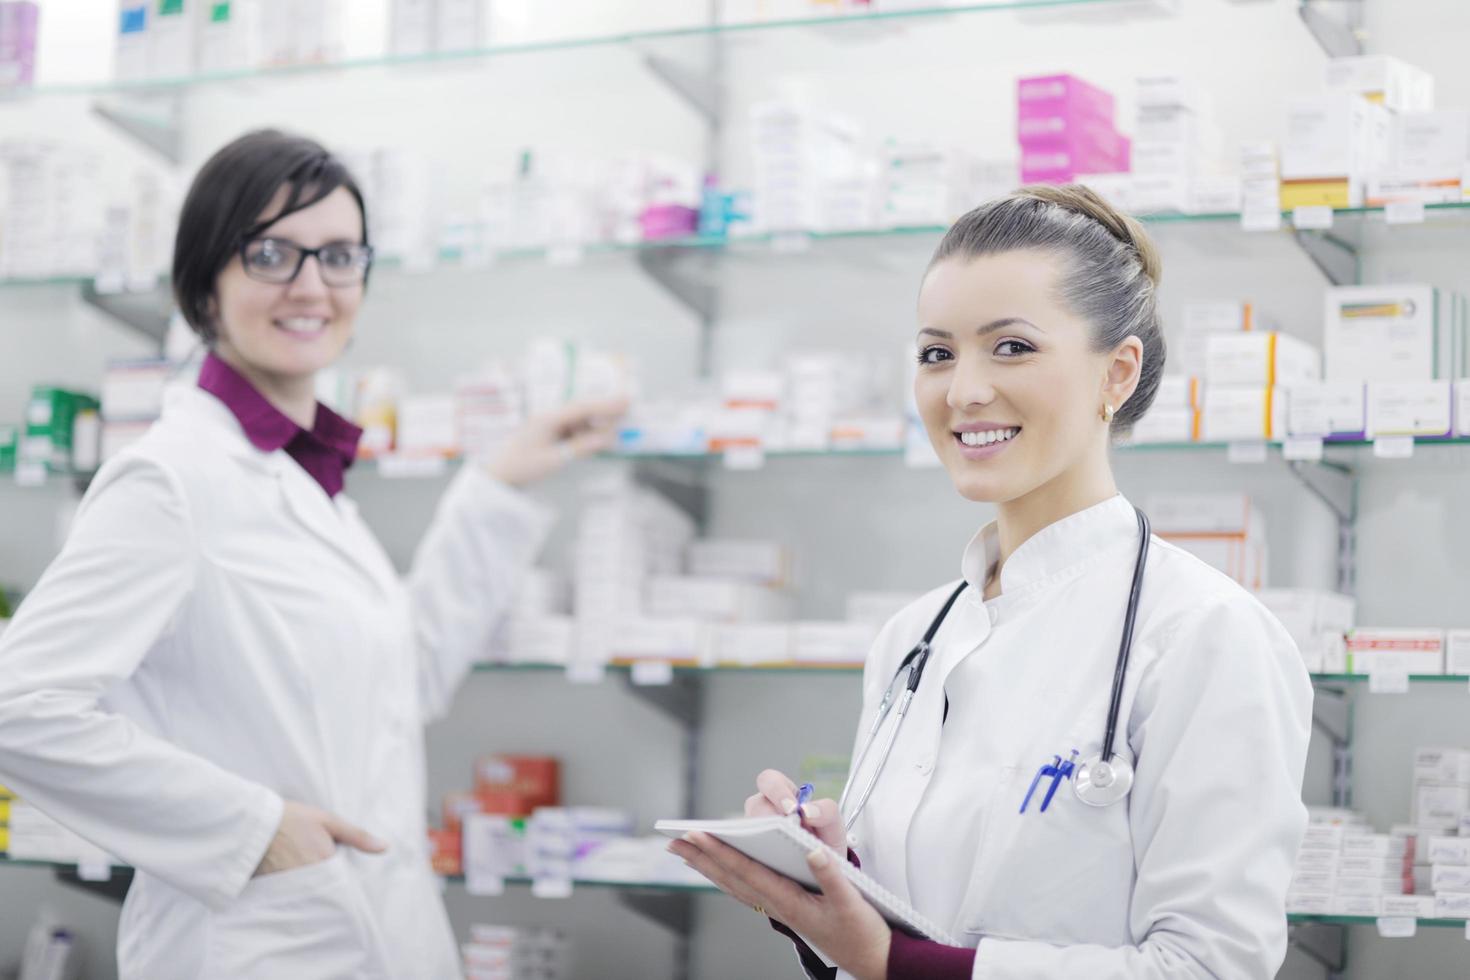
[[1187, 877], [218, 635]]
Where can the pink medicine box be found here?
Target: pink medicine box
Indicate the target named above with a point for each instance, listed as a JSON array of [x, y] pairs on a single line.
[[1065, 96]]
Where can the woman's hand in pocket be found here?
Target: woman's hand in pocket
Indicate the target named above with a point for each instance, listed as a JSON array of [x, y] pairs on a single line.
[[310, 835]]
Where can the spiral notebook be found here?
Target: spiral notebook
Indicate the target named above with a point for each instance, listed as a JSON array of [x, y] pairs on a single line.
[[782, 844]]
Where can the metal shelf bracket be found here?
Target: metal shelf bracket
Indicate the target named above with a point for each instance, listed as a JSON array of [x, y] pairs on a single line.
[[114, 889], [154, 120], [1324, 944], [672, 910], [1332, 713], [1336, 24], [698, 89], [682, 699], [669, 267], [1336, 486], [1336, 257], [146, 312]]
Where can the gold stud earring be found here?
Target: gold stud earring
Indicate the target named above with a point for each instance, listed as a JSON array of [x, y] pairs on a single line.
[[1107, 414]]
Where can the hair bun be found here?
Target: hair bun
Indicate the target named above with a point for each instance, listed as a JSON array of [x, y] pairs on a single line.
[[1085, 201]]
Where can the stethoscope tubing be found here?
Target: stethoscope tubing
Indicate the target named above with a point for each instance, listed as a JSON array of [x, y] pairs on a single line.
[[918, 658]]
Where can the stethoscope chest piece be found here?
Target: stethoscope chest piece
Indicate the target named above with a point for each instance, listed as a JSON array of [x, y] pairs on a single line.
[[1099, 783]]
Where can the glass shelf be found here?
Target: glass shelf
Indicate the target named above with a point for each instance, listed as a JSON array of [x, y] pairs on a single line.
[[680, 667], [791, 245], [619, 39], [690, 888], [694, 888], [1413, 678], [688, 667], [438, 466], [1368, 920]]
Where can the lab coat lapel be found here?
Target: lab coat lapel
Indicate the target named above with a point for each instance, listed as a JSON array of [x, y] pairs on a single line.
[[964, 631], [309, 504]]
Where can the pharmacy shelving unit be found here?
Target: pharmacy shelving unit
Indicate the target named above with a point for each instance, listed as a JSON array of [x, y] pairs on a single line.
[[686, 267], [689, 61], [670, 904]]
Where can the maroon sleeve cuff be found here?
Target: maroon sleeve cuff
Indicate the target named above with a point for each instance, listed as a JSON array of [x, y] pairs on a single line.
[[923, 959], [810, 961]]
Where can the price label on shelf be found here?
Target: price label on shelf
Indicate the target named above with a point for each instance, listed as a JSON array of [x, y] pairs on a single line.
[[397, 467], [95, 869], [1397, 927], [441, 883], [1393, 447], [478, 257], [552, 888], [110, 282], [745, 458], [1467, 931], [653, 673], [417, 261], [791, 242], [565, 256], [1317, 217], [1306, 449], [586, 673], [1246, 452], [1388, 682], [30, 473], [1260, 219], [481, 883], [1404, 212]]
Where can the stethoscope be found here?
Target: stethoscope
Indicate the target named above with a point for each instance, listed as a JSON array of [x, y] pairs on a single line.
[[1099, 781]]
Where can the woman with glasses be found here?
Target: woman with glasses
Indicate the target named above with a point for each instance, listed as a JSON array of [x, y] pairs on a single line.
[[222, 680]]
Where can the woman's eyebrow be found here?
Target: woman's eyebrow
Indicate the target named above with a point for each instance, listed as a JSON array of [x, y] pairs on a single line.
[[984, 329]]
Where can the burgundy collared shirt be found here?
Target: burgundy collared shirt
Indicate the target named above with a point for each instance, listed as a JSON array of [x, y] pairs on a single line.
[[324, 451]]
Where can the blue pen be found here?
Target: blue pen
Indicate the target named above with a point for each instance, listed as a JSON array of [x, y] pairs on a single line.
[[802, 796]]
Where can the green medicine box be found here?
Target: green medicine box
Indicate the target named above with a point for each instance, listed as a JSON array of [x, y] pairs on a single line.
[[49, 417]]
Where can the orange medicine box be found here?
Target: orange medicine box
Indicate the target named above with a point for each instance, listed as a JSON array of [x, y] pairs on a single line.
[[537, 778]]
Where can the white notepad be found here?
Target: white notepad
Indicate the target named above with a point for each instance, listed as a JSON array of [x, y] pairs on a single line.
[[782, 844]]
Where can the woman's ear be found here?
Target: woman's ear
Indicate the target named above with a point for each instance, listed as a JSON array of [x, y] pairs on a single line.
[[1124, 370]]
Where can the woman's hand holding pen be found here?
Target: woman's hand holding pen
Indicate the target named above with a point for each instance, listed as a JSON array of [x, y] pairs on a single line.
[[548, 442], [776, 794], [838, 921]]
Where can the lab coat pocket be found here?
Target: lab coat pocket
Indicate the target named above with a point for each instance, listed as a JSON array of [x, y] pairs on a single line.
[[1038, 869], [309, 922]]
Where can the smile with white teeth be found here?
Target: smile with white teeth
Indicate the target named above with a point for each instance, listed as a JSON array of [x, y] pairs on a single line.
[[987, 437], [302, 324]]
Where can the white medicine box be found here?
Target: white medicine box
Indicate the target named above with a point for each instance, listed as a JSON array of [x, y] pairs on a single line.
[[1410, 408], [1328, 409], [1260, 358], [1387, 333]]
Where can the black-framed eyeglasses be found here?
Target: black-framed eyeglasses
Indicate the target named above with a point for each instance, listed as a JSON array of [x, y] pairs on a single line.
[[277, 261]]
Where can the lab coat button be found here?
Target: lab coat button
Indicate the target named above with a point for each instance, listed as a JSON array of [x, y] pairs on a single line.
[[924, 766]]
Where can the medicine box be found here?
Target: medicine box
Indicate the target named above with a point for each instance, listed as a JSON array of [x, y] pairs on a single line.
[[1331, 410], [1224, 316], [1382, 79], [1398, 332], [1399, 651], [1265, 357], [1238, 413], [1410, 408]]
